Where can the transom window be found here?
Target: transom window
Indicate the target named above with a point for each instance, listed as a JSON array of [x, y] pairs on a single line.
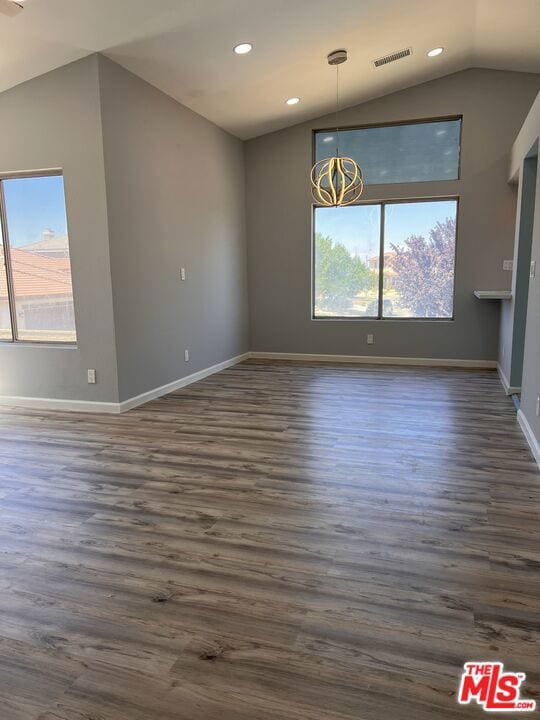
[[36, 294], [385, 260], [398, 153]]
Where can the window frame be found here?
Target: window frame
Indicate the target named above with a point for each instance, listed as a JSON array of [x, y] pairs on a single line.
[[4, 234], [380, 316], [394, 123]]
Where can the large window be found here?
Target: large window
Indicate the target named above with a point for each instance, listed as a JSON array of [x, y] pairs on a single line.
[[385, 260], [36, 296], [398, 153]]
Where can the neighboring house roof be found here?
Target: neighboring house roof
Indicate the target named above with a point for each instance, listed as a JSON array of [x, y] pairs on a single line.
[[50, 243], [388, 258], [37, 275]]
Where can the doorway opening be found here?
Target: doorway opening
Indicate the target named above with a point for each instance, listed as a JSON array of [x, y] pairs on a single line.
[[524, 270]]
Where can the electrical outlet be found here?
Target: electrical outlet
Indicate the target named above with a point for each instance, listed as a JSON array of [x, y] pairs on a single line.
[[508, 264], [370, 339], [182, 273], [91, 377], [538, 406], [186, 355]]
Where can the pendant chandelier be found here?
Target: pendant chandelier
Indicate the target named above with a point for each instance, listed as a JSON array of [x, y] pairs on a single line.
[[336, 180]]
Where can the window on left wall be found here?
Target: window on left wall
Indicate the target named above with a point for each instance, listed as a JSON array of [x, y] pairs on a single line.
[[36, 293]]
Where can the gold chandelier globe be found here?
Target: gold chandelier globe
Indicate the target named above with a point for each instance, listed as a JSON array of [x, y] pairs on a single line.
[[336, 181]]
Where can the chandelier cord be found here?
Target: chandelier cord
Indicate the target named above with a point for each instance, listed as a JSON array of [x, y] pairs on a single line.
[[337, 110]]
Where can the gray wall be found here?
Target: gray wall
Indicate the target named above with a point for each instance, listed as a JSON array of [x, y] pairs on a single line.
[[493, 105], [175, 197], [531, 362], [520, 295], [506, 323], [54, 122], [525, 145]]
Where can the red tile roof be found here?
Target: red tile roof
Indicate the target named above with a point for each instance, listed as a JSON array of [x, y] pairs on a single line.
[[37, 275]]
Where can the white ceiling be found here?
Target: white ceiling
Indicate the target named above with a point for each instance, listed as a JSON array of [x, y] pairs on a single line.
[[184, 47]]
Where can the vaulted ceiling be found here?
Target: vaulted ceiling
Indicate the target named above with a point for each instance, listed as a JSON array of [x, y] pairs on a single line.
[[184, 47]]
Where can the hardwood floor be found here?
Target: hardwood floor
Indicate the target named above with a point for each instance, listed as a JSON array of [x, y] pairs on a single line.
[[277, 542]]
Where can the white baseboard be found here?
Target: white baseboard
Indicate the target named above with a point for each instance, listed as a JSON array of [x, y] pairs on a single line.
[[115, 408], [182, 382], [508, 389], [529, 435], [376, 360], [60, 404]]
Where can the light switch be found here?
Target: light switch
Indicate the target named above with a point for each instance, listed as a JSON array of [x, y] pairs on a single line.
[[182, 273], [533, 269]]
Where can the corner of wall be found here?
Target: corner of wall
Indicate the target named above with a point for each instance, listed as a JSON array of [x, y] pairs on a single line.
[[159, 220], [100, 61]]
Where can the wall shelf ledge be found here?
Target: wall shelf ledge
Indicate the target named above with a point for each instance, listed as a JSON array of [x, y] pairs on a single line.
[[493, 294]]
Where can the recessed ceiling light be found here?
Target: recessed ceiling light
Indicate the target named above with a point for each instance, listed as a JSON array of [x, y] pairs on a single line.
[[293, 101], [243, 48], [435, 52]]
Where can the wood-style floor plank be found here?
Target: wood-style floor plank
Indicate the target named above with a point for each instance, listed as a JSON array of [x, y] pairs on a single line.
[[278, 541]]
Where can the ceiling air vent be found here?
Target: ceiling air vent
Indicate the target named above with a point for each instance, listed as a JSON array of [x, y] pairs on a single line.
[[392, 57]]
